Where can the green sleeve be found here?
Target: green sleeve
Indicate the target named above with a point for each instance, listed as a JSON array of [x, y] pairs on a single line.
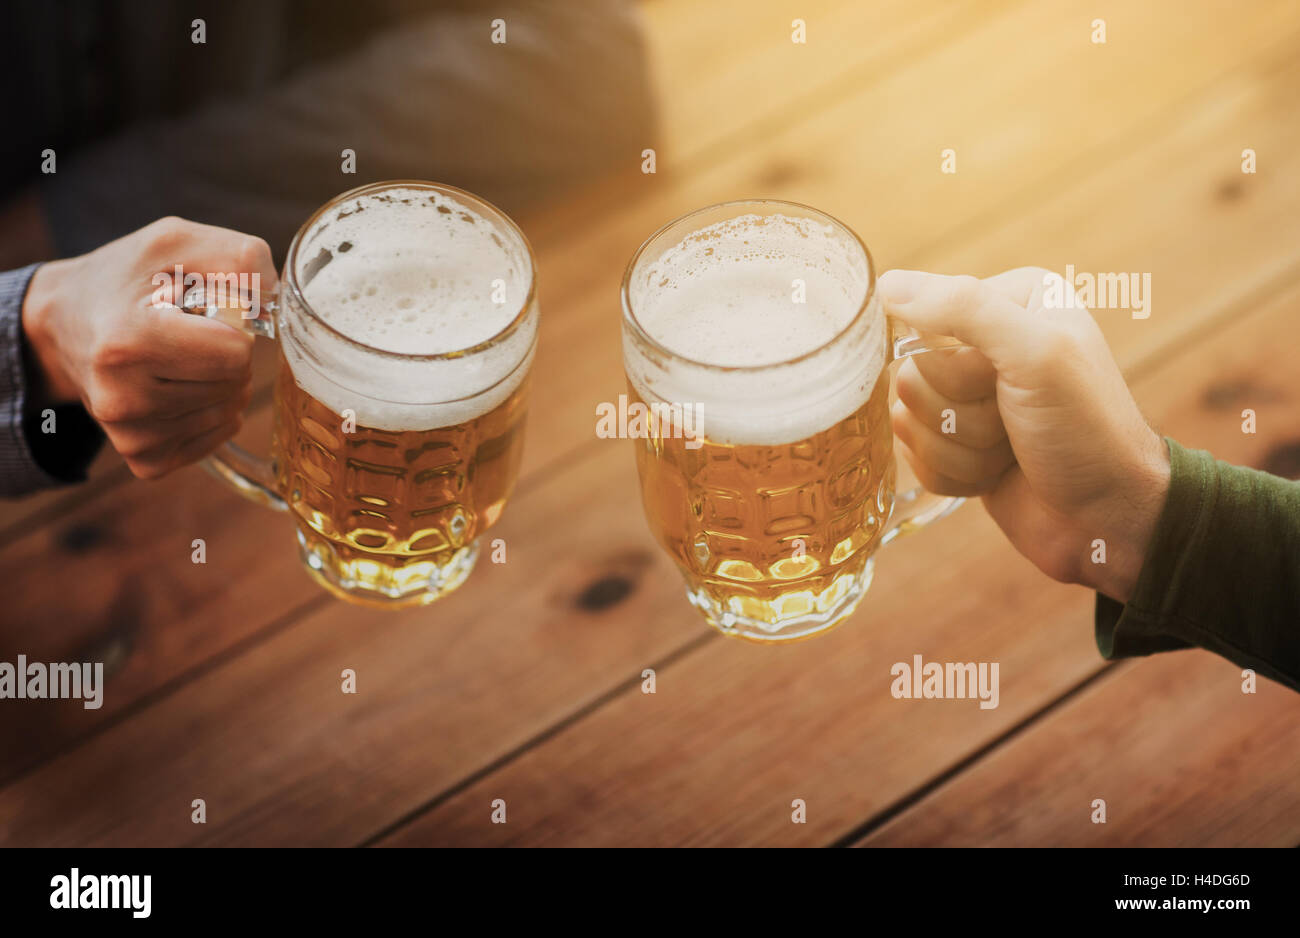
[[1222, 572]]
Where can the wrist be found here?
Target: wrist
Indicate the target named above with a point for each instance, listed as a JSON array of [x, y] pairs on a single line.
[[1133, 515], [40, 312]]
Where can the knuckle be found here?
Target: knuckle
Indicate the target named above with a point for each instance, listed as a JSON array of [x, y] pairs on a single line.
[[985, 426], [1062, 342], [965, 291], [130, 449], [104, 407], [147, 469], [909, 379], [165, 235], [239, 354], [253, 254], [107, 354], [904, 424], [111, 407], [1041, 274]]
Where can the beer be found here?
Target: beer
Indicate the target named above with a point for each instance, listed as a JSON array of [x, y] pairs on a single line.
[[400, 397], [392, 512], [764, 321]]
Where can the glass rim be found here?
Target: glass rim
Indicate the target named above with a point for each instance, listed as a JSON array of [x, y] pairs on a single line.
[[290, 281], [629, 316]]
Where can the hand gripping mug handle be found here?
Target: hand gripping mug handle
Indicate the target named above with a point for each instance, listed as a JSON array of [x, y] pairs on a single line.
[[916, 507], [249, 475]]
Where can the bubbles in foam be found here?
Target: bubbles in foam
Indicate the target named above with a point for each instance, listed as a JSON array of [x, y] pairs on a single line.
[[752, 290], [758, 290], [412, 271]]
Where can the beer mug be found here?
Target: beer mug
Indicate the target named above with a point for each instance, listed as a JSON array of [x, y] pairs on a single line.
[[757, 354], [406, 321]]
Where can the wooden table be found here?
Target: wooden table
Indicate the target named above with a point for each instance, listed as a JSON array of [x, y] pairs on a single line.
[[526, 684]]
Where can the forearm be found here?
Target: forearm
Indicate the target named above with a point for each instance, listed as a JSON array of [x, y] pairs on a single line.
[[1222, 571]]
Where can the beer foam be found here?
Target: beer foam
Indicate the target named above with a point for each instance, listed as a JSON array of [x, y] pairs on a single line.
[[415, 272], [754, 293]]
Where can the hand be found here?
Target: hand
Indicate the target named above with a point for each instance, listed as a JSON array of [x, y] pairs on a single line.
[[1046, 429], [166, 386]]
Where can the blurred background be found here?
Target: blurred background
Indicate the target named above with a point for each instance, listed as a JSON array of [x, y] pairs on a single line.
[[526, 685]]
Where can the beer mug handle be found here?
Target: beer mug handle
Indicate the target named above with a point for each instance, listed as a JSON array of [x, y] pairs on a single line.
[[249, 475], [916, 507]]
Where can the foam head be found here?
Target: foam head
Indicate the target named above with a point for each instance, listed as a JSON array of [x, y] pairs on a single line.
[[402, 275], [764, 311]]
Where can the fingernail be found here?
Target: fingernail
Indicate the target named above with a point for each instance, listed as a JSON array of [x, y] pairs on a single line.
[[899, 286]]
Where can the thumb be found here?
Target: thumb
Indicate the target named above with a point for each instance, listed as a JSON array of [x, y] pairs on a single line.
[[968, 309]]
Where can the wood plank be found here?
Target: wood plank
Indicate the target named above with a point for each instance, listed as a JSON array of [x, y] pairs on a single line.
[[1207, 233], [564, 401], [587, 272], [115, 582], [1043, 125], [720, 67], [1180, 755], [290, 760], [735, 734], [437, 688], [689, 122], [1178, 716]]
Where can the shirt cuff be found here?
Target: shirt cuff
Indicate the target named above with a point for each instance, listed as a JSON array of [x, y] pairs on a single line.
[[71, 450], [1189, 592]]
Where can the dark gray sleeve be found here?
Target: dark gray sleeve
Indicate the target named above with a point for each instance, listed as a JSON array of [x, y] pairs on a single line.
[[565, 97], [30, 457], [19, 471]]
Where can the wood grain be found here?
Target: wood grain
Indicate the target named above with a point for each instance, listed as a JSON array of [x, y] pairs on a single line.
[[581, 268], [736, 734], [1117, 157], [1181, 756]]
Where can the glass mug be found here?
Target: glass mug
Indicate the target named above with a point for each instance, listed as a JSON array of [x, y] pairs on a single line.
[[754, 340], [406, 321]]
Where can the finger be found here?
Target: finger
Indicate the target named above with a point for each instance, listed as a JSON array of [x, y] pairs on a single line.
[[1020, 285], [172, 455], [155, 398], [225, 251], [933, 481], [203, 444], [206, 250], [978, 467], [1042, 292], [962, 307], [183, 347], [976, 423], [1051, 540], [958, 374], [178, 398], [137, 437]]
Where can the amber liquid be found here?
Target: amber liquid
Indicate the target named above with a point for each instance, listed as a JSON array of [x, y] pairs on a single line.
[[774, 540], [391, 517]]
